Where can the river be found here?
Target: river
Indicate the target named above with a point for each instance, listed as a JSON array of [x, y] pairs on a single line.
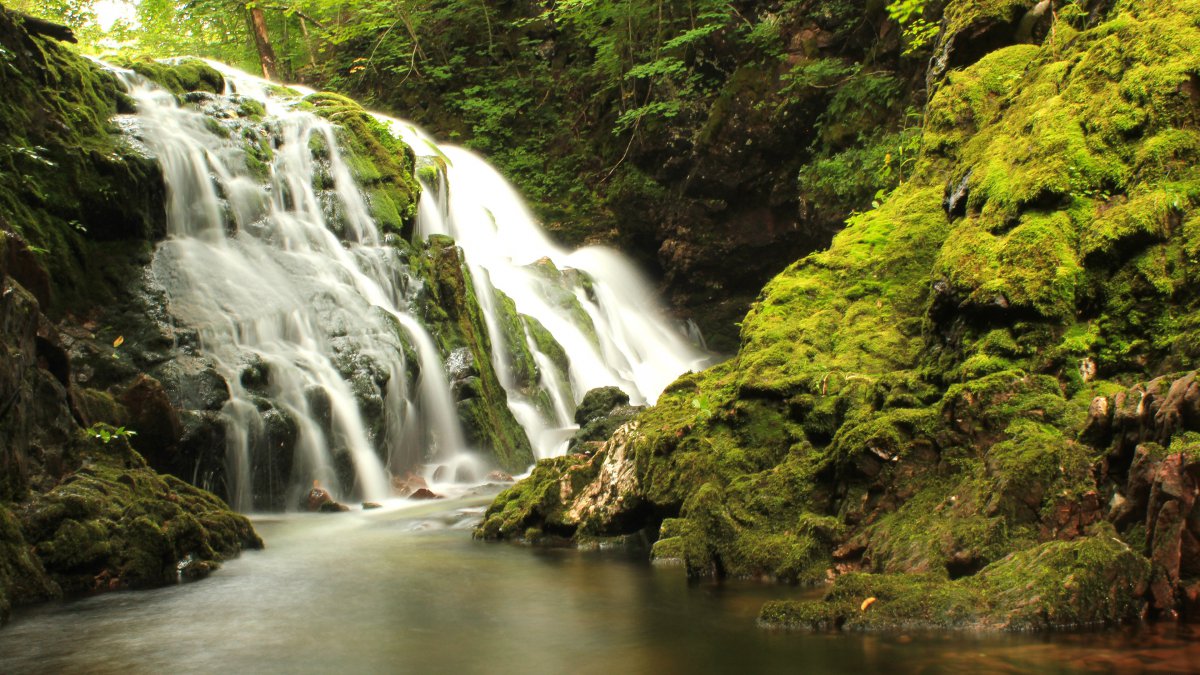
[[406, 589]]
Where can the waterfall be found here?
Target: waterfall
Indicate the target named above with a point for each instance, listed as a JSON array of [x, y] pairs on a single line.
[[305, 307]]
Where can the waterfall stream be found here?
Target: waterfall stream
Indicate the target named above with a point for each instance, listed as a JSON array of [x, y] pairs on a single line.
[[305, 307]]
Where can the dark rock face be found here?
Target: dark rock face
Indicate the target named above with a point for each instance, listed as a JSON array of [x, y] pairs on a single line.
[[81, 510]]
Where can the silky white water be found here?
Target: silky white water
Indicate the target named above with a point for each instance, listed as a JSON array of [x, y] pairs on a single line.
[[629, 342], [303, 306]]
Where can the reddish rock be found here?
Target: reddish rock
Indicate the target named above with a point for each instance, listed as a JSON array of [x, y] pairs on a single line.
[[1071, 517], [500, 477], [407, 484], [151, 413], [318, 497], [424, 493]]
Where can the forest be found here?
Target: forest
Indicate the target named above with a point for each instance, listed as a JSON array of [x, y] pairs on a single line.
[[876, 317]]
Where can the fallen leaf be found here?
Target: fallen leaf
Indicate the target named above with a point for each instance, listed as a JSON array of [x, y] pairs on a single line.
[[867, 603], [119, 341]]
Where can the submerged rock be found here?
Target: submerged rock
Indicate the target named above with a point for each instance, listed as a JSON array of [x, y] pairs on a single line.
[[407, 484], [424, 493]]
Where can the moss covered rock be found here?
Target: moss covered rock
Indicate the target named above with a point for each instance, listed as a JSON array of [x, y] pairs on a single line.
[[383, 165], [116, 523], [1086, 583], [955, 389], [178, 76], [451, 310]]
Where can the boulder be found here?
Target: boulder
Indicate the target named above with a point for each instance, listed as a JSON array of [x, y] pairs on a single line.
[[317, 497]]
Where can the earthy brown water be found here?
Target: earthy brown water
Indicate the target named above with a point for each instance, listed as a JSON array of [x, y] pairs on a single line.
[[407, 590]]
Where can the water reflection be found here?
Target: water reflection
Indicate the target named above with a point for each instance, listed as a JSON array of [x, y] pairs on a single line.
[[406, 589]]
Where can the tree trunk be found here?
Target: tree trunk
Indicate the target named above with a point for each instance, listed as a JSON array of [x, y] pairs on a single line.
[[266, 55]]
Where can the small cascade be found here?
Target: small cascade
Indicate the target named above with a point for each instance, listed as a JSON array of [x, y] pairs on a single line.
[[595, 303], [306, 308]]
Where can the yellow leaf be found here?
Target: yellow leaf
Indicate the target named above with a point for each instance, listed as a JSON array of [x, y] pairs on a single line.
[[119, 341], [867, 603]]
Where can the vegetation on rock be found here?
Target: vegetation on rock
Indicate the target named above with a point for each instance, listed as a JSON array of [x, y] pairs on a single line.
[[961, 387]]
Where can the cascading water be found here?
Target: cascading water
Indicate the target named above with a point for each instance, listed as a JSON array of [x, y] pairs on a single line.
[[304, 307], [621, 338]]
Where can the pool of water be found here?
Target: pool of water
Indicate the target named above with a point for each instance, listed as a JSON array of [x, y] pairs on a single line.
[[406, 589]]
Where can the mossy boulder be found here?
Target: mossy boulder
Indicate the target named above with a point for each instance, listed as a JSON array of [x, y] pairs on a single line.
[[382, 164], [116, 523], [178, 76], [943, 406], [601, 412], [1090, 582]]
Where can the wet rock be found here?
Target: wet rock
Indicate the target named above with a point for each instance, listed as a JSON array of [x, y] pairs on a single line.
[[332, 507], [460, 364], [465, 473], [152, 415], [500, 476], [424, 493], [616, 488], [193, 383], [407, 484], [194, 569], [1097, 431], [1180, 409], [599, 402], [367, 506], [955, 201], [317, 497]]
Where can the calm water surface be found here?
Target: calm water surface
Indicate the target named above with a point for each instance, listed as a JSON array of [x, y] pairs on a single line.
[[405, 589]]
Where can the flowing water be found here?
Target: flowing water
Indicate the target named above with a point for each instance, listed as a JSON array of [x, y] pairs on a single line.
[[405, 589], [278, 265]]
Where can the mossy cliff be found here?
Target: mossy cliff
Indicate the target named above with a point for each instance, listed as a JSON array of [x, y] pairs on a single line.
[[972, 407], [451, 310], [78, 210]]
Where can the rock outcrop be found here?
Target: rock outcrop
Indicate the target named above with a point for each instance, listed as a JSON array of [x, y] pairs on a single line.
[[980, 416], [80, 509]]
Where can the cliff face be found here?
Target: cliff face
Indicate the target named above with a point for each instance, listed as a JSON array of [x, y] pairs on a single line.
[[79, 509], [983, 381], [714, 142]]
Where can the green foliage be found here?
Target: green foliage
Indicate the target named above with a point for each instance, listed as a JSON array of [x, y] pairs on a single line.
[[106, 432]]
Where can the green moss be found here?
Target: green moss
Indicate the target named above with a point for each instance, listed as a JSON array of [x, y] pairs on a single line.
[[451, 311], [382, 163], [962, 15], [115, 523], [549, 346], [536, 499], [1094, 581], [70, 186], [558, 287], [179, 76], [909, 399]]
